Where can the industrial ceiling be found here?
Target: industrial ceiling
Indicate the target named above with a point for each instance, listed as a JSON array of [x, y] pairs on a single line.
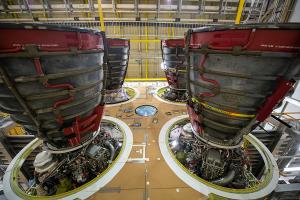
[[144, 22]]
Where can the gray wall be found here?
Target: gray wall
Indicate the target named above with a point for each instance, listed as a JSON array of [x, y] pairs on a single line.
[[295, 16]]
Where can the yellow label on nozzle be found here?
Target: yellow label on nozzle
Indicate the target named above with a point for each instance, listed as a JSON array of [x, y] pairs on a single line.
[[222, 111]]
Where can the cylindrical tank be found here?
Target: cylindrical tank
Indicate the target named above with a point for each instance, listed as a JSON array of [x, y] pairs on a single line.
[[51, 81], [237, 75], [174, 63], [117, 61]]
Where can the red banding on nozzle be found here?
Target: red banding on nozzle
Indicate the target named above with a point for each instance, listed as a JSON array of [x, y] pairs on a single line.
[[281, 90], [173, 43], [85, 125]]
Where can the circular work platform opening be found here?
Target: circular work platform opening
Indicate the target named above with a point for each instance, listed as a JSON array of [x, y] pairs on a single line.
[[171, 96], [120, 96], [75, 175], [146, 110], [185, 154]]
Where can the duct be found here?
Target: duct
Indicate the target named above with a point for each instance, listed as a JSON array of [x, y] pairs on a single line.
[[225, 180], [112, 150]]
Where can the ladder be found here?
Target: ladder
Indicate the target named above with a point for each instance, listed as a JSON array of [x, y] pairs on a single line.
[[256, 11]]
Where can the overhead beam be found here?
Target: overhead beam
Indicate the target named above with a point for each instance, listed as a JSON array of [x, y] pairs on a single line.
[[129, 7], [84, 19]]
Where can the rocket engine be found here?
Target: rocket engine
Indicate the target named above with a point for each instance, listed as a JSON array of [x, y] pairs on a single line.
[[236, 76], [174, 66], [118, 57], [52, 83]]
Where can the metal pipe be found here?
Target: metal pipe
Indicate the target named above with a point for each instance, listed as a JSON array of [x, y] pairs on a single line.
[[239, 11], [112, 150], [225, 180]]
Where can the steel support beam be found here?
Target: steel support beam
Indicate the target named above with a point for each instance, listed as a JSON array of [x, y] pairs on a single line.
[[220, 6], [27, 7], [91, 5], [136, 8], [114, 6], [157, 8], [179, 8]]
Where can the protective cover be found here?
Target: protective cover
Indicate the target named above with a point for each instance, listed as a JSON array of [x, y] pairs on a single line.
[[237, 75], [51, 80]]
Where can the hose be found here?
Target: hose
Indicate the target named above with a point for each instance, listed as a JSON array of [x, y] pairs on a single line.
[[225, 180], [112, 150]]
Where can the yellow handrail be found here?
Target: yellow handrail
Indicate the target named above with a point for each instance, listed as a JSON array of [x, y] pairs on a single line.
[[100, 12], [147, 46], [239, 12]]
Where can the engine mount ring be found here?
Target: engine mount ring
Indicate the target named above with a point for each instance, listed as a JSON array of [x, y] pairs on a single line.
[[166, 101], [13, 191], [206, 187]]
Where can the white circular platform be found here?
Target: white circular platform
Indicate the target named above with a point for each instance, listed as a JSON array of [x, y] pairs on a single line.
[[81, 192], [165, 101], [206, 187], [137, 95]]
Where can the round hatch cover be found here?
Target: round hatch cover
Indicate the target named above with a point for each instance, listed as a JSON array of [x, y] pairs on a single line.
[[146, 110]]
